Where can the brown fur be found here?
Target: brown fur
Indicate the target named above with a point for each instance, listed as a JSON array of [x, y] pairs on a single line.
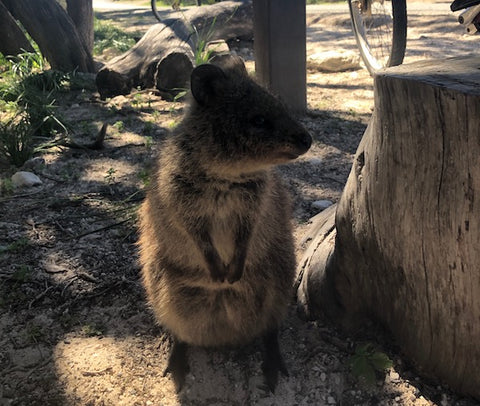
[[216, 244]]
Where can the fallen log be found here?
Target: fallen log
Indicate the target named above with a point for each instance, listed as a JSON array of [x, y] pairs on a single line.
[[405, 246], [164, 57]]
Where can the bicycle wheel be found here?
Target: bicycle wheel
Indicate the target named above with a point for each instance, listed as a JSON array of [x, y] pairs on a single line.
[[175, 5], [380, 29], [154, 10]]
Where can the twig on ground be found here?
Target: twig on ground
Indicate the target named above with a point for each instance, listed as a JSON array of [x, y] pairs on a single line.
[[96, 373], [100, 229], [39, 296]]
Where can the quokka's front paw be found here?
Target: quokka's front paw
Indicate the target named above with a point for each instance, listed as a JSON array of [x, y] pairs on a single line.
[[216, 267], [234, 275], [235, 270], [236, 267], [218, 273]]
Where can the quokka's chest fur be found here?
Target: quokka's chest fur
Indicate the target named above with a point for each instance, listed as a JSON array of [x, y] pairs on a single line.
[[225, 207]]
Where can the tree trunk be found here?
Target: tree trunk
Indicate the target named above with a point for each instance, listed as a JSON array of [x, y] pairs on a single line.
[[54, 32], [165, 54], [407, 240], [81, 13], [13, 40]]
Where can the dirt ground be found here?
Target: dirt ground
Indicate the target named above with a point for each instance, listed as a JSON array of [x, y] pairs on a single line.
[[75, 327]]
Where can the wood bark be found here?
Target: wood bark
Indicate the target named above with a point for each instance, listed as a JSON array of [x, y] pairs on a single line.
[[81, 13], [54, 32], [406, 249], [13, 40], [165, 55]]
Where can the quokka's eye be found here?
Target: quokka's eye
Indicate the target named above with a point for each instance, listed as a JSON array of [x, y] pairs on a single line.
[[259, 121]]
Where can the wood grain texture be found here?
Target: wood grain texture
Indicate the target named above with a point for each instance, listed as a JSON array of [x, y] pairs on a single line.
[[408, 223]]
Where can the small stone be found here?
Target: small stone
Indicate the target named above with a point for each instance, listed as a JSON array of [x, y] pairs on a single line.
[[25, 179], [394, 376], [218, 47], [323, 376], [331, 400], [333, 61], [315, 161], [321, 204]]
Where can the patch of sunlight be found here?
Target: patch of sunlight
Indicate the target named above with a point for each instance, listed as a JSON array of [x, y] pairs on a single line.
[[113, 371]]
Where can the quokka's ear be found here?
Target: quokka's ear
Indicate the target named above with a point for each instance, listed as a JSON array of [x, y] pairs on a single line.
[[231, 64], [206, 83]]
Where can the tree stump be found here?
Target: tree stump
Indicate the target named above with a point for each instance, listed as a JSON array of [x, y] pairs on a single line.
[[406, 246], [165, 55]]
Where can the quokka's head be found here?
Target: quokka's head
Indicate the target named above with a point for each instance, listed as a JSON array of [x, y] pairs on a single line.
[[240, 125]]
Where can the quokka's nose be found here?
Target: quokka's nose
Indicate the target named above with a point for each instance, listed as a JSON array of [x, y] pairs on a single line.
[[305, 140]]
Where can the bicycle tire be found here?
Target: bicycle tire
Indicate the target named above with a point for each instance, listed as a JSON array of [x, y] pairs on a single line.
[[382, 38], [153, 4], [154, 10]]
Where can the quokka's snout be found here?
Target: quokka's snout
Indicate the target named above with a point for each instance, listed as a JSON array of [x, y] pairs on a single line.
[[299, 144]]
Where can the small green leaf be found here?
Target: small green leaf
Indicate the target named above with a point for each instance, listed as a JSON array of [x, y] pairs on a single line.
[[362, 369], [380, 361]]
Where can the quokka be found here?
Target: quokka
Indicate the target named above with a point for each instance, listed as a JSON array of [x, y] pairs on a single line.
[[216, 245]]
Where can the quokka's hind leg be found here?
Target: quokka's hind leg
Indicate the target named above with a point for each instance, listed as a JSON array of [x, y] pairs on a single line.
[[272, 360], [178, 364]]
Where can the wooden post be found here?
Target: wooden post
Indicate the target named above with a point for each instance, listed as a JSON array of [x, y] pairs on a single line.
[[280, 49]]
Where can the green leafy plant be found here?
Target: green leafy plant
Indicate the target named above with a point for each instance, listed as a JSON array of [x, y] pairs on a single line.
[[148, 128], [22, 274], [34, 333], [15, 246], [16, 140], [28, 105], [148, 142], [91, 330], [144, 176], [6, 188], [110, 176], [108, 36], [367, 361], [202, 53], [119, 126], [137, 100]]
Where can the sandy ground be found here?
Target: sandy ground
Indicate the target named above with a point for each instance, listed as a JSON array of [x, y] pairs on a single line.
[[75, 328]]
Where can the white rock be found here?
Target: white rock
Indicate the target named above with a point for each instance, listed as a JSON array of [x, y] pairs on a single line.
[[333, 61], [315, 161], [218, 47], [25, 179], [321, 204], [331, 400]]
